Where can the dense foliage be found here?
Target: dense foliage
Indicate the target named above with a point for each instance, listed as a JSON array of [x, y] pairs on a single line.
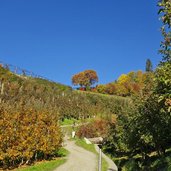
[[27, 135], [142, 137], [130, 84], [165, 13], [31, 109], [29, 128], [98, 127]]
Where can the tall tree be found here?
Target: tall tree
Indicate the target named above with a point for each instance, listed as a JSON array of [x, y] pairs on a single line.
[[163, 73], [155, 113], [149, 66], [165, 12], [85, 79]]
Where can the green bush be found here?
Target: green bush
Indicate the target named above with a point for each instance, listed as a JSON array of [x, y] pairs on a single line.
[[131, 165]]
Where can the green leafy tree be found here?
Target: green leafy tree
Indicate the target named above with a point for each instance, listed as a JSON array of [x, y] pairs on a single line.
[[163, 72], [154, 111], [165, 12], [101, 88]]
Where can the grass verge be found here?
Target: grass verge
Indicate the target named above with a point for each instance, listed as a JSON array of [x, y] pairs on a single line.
[[44, 166], [91, 148], [62, 152], [48, 165]]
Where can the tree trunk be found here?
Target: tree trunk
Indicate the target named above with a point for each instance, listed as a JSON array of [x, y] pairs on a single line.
[[2, 88]]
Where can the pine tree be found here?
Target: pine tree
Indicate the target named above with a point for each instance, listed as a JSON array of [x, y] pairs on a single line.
[[149, 66]]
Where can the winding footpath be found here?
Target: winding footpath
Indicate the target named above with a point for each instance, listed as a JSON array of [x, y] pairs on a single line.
[[79, 159]]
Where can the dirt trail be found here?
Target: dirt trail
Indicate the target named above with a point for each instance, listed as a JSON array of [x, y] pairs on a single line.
[[79, 159]]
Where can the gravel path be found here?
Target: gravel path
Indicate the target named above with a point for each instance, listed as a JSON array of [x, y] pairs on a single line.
[[79, 159]]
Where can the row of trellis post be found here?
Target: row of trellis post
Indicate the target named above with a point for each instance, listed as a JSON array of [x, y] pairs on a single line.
[[20, 71]]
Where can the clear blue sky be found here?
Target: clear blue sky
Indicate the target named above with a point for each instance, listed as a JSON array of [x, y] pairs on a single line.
[[58, 38]]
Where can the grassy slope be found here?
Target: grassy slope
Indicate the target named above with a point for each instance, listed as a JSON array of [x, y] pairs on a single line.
[[102, 95], [113, 101], [4, 73], [50, 84], [7, 75]]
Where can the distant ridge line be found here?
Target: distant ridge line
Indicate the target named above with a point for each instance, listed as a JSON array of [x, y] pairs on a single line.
[[20, 71]]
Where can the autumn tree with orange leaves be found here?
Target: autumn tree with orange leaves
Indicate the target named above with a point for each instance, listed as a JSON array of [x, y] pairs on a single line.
[[85, 79]]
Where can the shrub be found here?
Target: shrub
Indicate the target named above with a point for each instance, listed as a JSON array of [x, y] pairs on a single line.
[[86, 131], [96, 128], [27, 135]]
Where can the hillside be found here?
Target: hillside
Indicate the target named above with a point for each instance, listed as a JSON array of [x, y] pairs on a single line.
[[9, 76], [36, 106], [58, 98], [112, 104], [31, 109], [100, 95]]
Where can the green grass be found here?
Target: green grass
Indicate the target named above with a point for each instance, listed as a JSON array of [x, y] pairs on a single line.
[[67, 122], [48, 165], [44, 166], [91, 148], [104, 165], [70, 121], [62, 152], [88, 147]]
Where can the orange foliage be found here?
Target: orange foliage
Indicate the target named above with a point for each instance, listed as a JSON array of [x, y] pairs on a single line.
[[133, 83], [25, 134], [85, 78], [97, 128]]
